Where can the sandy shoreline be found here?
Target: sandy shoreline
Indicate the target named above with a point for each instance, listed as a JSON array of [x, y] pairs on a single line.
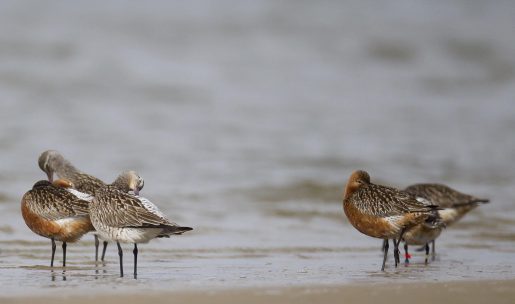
[[439, 292]]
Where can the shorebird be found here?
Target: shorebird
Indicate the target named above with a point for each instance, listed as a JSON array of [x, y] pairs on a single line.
[[454, 205], [122, 217], [422, 234], [55, 211], [52, 161], [382, 212]]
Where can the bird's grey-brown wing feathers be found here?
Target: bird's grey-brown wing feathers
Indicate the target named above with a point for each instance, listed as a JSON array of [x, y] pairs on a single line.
[[118, 209], [442, 195], [385, 201], [54, 203], [85, 183]]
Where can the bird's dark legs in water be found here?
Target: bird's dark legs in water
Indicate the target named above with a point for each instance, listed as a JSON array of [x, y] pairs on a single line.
[[104, 251], [427, 251], [120, 254], [396, 252], [135, 251], [433, 253], [64, 254], [53, 253], [406, 254], [386, 245], [97, 243]]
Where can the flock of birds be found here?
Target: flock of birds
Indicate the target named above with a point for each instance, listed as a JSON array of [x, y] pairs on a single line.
[[416, 215], [77, 203]]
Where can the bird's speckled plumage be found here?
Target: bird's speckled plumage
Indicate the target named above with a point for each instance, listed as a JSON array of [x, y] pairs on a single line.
[[380, 211], [53, 212], [118, 209], [454, 205], [128, 218], [384, 201], [383, 212], [443, 196]]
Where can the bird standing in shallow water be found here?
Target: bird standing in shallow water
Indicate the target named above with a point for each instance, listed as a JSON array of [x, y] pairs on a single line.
[[122, 217], [382, 212], [52, 162], [55, 212], [454, 205]]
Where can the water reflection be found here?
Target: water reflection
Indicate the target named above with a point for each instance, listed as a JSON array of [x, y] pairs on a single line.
[[55, 274], [97, 270]]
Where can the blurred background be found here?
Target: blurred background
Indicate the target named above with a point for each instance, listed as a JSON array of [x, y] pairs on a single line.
[[246, 118]]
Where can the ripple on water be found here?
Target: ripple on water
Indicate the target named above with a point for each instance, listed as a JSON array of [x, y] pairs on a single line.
[[495, 235], [307, 190], [6, 229], [4, 198]]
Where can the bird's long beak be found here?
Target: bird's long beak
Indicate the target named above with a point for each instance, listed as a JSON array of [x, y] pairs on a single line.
[[50, 176]]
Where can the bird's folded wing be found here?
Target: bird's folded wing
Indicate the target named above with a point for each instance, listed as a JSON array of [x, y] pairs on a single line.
[[384, 201], [55, 206], [118, 209]]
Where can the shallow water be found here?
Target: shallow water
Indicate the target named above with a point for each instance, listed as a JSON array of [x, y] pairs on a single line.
[[245, 119]]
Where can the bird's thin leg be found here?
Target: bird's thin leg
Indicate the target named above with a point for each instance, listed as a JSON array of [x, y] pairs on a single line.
[[385, 247], [135, 251], [104, 251], [427, 251], [396, 251], [64, 254], [433, 253], [120, 254], [97, 243], [406, 254], [53, 252], [384, 244]]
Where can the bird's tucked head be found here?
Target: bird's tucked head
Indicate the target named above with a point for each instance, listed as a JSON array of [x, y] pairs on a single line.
[[356, 180], [49, 161], [129, 181]]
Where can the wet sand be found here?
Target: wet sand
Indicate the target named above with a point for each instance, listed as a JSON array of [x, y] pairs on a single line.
[[457, 292]]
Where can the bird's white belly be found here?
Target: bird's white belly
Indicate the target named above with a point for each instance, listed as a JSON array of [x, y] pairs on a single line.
[[129, 235]]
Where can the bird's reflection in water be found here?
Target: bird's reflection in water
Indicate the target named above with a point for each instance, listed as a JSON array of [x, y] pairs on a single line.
[[97, 271], [54, 274]]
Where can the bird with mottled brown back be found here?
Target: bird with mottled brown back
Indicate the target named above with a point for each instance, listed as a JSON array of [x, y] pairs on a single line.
[[380, 211], [125, 218], [51, 211], [52, 161], [444, 196], [454, 205]]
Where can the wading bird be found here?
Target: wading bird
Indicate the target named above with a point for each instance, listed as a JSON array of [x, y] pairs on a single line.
[[125, 218], [55, 211], [52, 161], [382, 212], [454, 205]]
